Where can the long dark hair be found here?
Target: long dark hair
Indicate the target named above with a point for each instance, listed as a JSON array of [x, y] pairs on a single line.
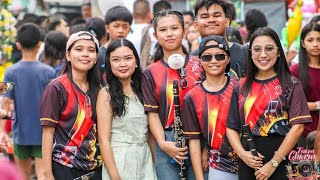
[[93, 79], [303, 55], [159, 50], [55, 45], [118, 98], [281, 66]]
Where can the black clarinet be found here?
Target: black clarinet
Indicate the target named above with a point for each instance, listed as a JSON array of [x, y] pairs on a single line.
[[178, 132], [248, 135]]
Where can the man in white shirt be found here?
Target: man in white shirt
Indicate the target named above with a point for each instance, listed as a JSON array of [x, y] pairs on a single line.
[[141, 19]]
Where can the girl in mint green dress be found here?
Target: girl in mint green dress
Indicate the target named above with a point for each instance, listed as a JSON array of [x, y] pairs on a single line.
[[122, 123]]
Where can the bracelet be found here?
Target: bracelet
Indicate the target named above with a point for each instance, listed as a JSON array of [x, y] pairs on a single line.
[[276, 152], [318, 105]]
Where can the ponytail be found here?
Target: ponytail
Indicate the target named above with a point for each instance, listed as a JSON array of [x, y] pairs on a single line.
[[158, 55]]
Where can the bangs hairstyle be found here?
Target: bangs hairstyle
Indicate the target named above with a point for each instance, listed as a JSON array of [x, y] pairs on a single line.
[[303, 55], [227, 7], [118, 13], [159, 50], [280, 67], [118, 98]]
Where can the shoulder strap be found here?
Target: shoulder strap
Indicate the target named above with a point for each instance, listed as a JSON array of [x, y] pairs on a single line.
[[244, 52], [145, 32], [145, 56], [106, 87]]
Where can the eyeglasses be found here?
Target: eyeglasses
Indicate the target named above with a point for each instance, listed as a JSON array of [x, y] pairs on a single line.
[[269, 50], [183, 80], [218, 57]]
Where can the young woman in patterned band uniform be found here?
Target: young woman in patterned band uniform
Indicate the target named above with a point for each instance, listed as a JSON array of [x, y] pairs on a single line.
[[157, 92], [272, 103], [68, 114], [205, 110]]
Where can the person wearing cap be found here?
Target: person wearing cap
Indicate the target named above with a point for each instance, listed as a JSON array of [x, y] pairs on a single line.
[[95, 26], [205, 110], [68, 114], [30, 77], [271, 102]]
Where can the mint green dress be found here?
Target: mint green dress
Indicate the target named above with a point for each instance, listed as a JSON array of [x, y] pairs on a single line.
[[129, 144]]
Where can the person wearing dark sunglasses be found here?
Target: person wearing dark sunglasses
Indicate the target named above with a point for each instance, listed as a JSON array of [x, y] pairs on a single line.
[[205, 110], [157, 81]]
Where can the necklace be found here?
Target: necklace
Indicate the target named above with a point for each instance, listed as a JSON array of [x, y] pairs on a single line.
[[87, 100]]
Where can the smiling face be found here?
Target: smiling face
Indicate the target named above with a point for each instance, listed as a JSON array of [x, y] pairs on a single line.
[[169, 33], [211, 21], [82, 55], [214, 67], [312, 43], [123, 62], [264, 54]]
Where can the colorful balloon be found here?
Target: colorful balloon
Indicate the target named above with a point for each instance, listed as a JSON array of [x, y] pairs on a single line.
[[295, 23]]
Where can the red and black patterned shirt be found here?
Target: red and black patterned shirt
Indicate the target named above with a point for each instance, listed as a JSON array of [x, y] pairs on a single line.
[[264, 109], [157, 81], [205, 114], [66, 108]]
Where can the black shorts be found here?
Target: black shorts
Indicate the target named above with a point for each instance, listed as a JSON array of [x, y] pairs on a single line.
[[65, 173], [266, 146]]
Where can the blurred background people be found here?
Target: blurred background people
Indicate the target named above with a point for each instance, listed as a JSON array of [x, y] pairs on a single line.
[[54, 50], [254, 19]]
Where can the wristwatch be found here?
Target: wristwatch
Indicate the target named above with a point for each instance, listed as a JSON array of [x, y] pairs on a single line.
[[274, 163]]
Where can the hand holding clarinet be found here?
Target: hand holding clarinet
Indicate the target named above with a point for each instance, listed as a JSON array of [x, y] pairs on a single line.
[[252, 158], [178, 132]]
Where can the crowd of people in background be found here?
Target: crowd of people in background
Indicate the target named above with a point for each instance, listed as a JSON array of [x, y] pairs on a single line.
[[75, 79]]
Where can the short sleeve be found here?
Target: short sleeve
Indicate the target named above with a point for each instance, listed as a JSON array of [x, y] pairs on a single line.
[[298, 106], [190, 122], [51, 104], [150, 102], [8, 77], [233, 120]]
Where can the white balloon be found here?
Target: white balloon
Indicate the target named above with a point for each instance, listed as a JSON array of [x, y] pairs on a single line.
[[176, 61]]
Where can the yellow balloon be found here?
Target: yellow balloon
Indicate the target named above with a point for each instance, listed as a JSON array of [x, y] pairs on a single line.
[[295, 23]]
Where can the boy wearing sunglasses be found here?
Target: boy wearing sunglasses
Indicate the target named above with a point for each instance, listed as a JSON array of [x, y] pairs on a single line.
[[205, 110]]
